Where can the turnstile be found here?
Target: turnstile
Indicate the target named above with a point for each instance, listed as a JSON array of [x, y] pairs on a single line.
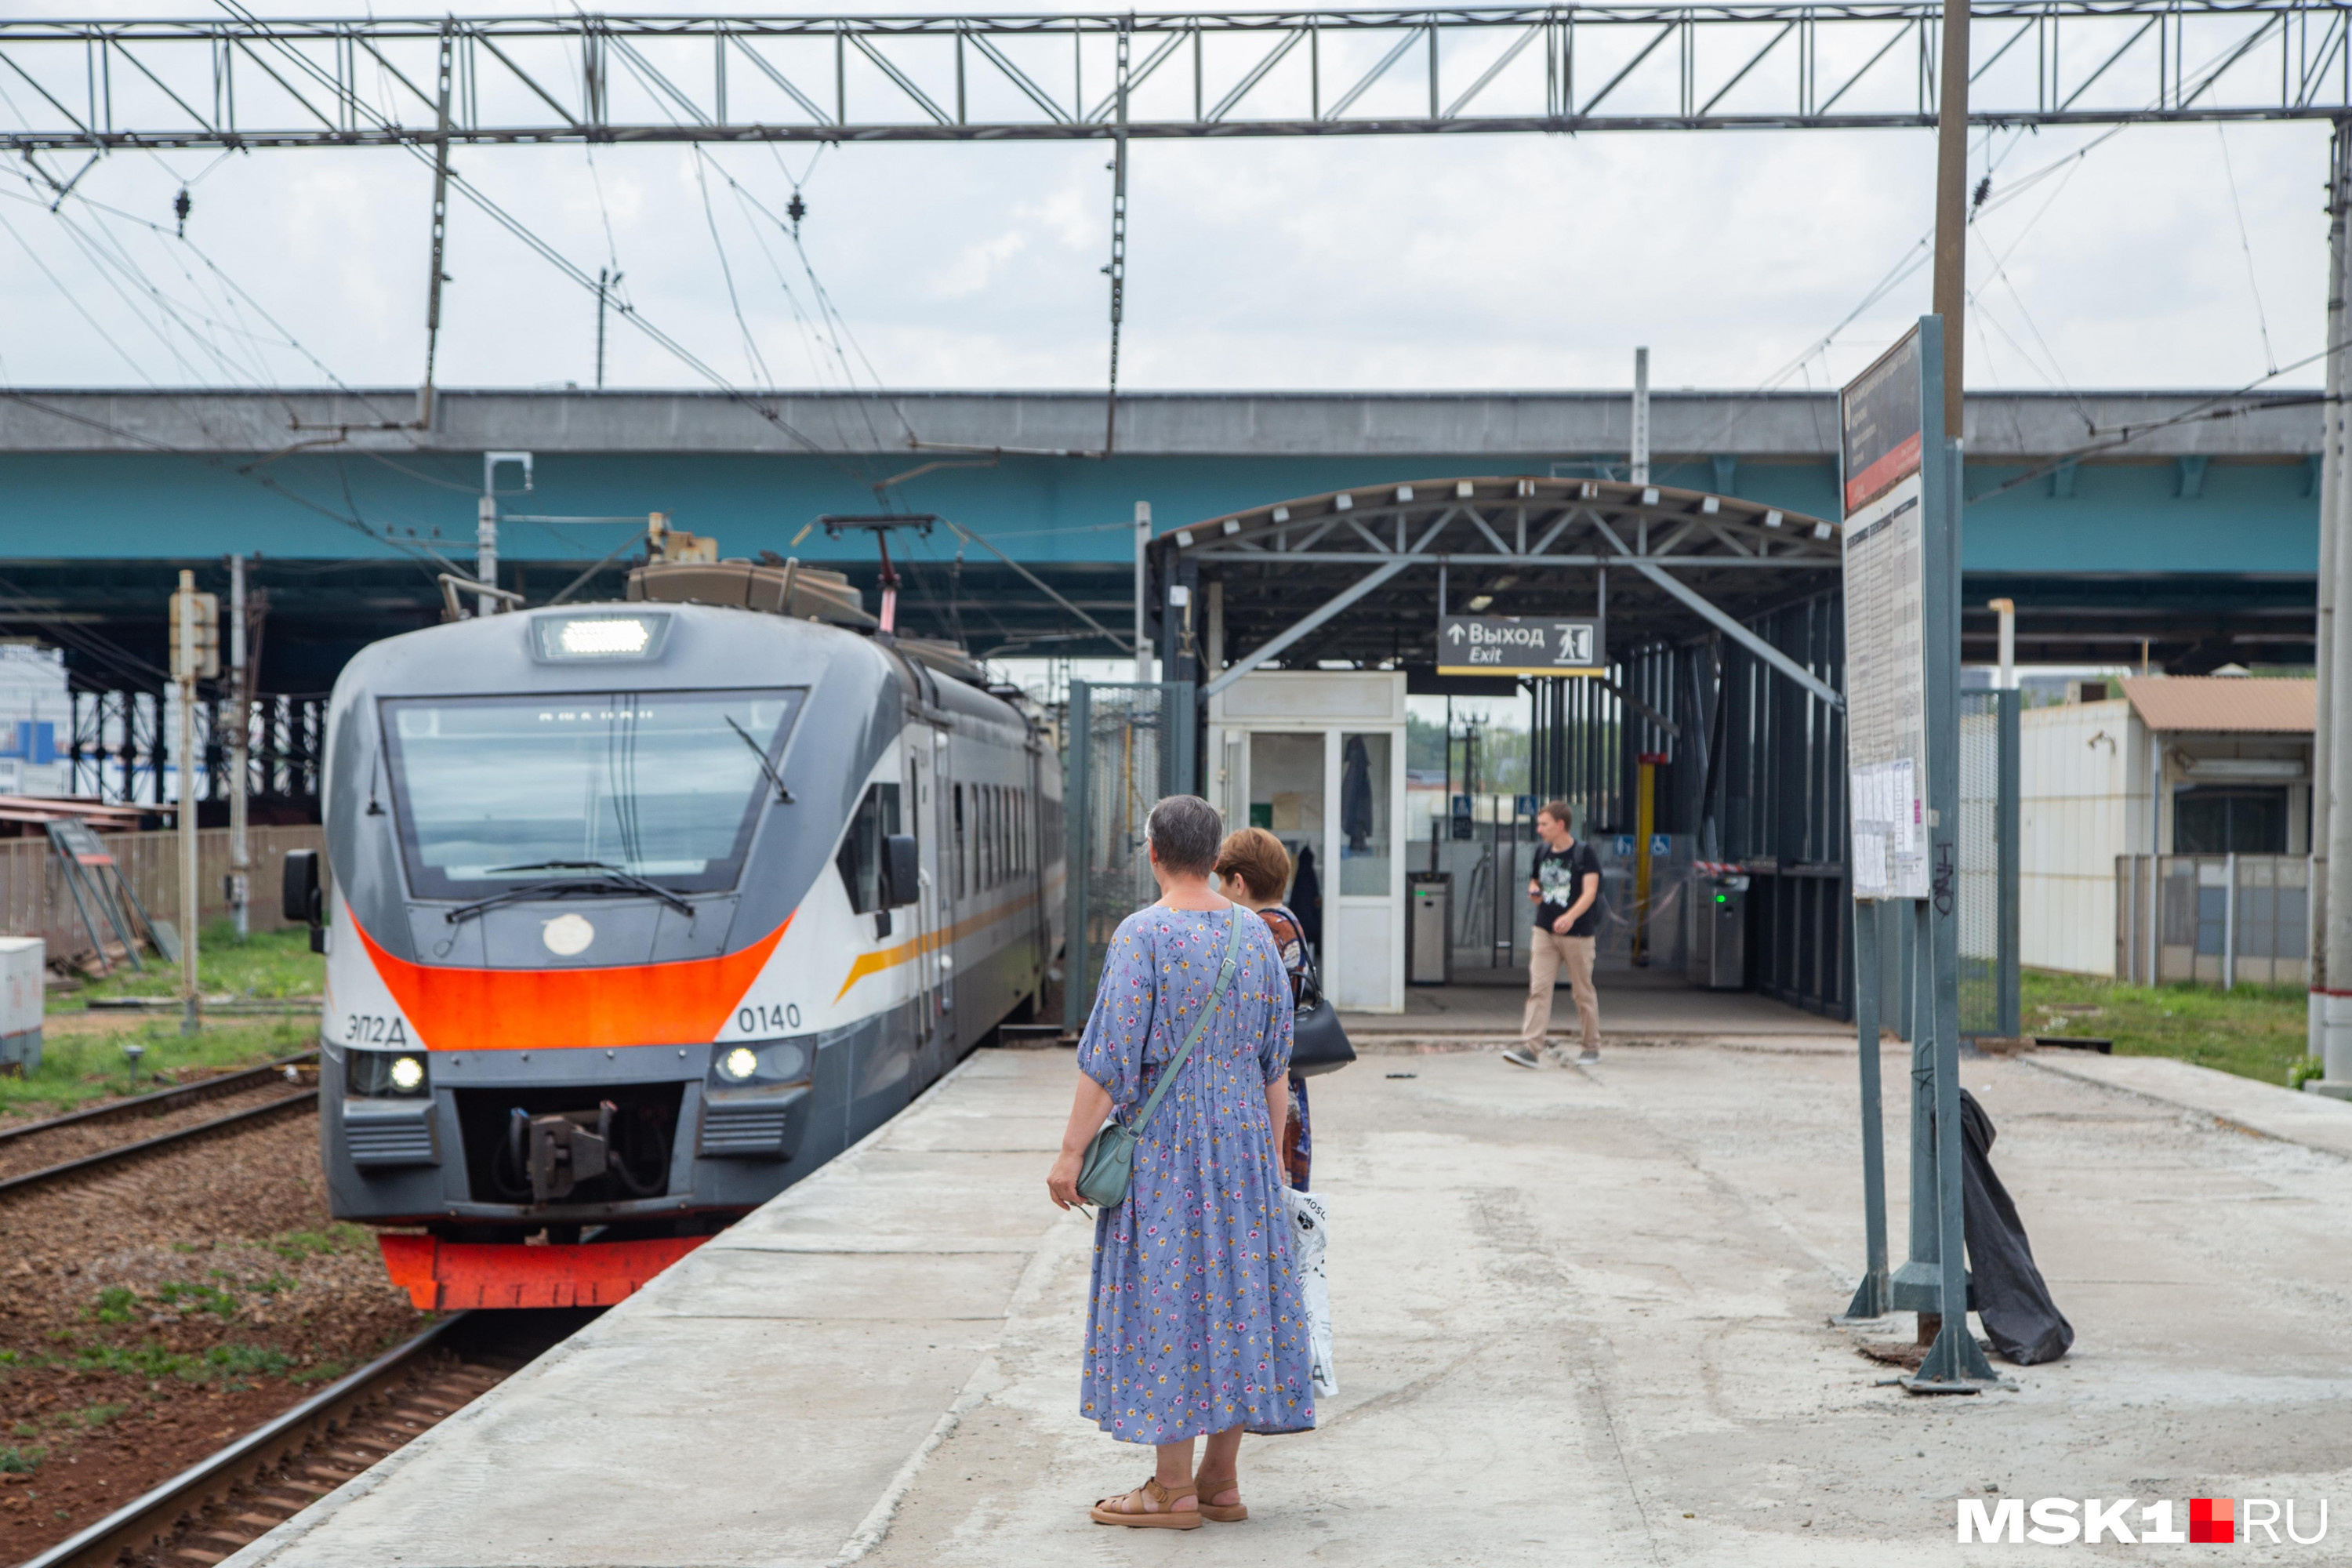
[[1429, 928], [1718, 936]]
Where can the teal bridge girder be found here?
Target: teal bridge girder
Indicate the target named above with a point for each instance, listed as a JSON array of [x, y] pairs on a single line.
[[242, 81], [2198, 534]]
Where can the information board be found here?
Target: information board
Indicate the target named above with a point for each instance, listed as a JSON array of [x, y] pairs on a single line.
[[1885, 651], [1510, 645]]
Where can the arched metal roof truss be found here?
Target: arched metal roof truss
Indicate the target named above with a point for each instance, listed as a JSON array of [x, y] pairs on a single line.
[[1688, 560]]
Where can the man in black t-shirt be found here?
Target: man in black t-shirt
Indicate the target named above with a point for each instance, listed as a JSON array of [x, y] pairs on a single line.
[[1566, 889]]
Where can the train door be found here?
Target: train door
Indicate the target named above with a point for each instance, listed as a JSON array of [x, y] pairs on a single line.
[[939, 897], [933, 1024]]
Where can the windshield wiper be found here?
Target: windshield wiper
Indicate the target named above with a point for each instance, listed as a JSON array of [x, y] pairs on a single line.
[[609, 880], [766, 766]]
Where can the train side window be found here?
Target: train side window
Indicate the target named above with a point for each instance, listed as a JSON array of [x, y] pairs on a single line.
[[988, 794], [958, 842], [860, 859]]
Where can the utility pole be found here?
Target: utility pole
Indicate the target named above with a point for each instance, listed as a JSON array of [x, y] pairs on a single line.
[[485, 526], [2005, 675], [604, 284], [2331, 522], [1640, 473], [486, 551], [240, 864], [196, 652], [440, 231], [1143, 571], [1952, 204], [2331, 878]]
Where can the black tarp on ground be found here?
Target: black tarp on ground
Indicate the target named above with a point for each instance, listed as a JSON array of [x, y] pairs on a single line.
[[2005, 1286]]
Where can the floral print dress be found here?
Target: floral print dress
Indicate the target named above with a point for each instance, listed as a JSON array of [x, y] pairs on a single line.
[[1196, 1324]]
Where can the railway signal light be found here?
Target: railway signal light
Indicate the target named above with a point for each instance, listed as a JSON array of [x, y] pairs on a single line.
[[204, 608]]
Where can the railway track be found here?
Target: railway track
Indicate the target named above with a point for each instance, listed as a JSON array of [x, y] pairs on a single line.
[[223, 1503], [163, 1102]]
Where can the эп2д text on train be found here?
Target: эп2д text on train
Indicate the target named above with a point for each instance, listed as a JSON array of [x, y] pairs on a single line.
[[642, 911]]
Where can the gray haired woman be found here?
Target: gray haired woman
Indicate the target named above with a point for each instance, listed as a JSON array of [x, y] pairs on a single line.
[[1196, 1328]]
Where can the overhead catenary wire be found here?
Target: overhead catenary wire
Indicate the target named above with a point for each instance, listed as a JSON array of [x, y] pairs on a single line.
[[2246, 244], [532, 241]]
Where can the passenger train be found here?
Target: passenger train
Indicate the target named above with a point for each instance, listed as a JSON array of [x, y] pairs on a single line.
[[640, 911]]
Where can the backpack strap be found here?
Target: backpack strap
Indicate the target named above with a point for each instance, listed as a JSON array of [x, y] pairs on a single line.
[[1200, 1025]]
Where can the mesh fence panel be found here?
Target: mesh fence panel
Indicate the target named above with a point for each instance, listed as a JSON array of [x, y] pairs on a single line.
[[1128, 746], [1979, 837]]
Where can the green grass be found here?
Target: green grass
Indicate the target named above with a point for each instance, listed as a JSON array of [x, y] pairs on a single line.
[[81, 1067], [2256, 1031], [21, 1461], [153, 1362], [298, 1245], [264, 966]]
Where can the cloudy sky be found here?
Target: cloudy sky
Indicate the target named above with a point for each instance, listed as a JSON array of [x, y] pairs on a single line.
[[2160, 256]]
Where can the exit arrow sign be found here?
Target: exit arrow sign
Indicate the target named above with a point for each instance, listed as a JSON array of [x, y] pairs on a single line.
[[1514, 644]]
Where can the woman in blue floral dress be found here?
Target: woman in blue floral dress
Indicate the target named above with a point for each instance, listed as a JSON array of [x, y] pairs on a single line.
[[1196, 1328]]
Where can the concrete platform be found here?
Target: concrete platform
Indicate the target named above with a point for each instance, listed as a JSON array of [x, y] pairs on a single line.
[[1582, 1316], [1485, 1006]]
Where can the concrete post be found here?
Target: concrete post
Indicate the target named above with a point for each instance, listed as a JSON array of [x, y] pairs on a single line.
[[240, 710], [190, 910], [1640, 447], [485, 554], [2005, 678], [2332, 489]]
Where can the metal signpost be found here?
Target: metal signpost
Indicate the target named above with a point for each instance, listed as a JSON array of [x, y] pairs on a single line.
[[1510, 645], [1902, 609]]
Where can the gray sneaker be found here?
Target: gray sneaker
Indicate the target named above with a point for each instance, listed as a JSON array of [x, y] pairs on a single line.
[[1520, 1058], [1588, 1055]]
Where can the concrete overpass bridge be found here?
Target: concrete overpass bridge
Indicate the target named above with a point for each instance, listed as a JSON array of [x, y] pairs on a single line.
[[2187, 518]]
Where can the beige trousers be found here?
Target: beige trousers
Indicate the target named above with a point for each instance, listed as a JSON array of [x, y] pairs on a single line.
[[1547, 951]]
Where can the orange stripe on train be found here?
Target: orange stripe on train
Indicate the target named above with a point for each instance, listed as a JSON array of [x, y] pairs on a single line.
[[684, 1003]]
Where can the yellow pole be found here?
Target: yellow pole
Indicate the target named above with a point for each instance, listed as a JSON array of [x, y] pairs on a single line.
[[1645, 817]]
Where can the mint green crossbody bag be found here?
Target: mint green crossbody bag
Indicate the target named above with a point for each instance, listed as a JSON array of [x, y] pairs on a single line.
[[1109, 1163]]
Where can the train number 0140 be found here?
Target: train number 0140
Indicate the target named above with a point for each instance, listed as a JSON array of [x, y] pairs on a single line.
[[760, 1018]]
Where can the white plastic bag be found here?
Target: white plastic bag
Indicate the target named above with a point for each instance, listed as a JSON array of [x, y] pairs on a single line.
[[1309, 1235]]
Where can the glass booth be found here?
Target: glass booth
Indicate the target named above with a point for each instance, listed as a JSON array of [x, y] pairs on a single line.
[[1316, 757]]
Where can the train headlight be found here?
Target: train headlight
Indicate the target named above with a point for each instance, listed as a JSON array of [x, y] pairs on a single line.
[[381, 1075], [603, 635], [760, 1062]]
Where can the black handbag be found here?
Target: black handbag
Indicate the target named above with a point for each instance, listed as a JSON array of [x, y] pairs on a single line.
[[1318, 1043]]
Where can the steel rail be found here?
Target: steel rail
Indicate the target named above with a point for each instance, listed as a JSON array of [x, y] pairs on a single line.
[[161, 1141], [140, 1523], [160, 1099]]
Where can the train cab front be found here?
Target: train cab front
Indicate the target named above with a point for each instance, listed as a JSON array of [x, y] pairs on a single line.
[[561, 1043]]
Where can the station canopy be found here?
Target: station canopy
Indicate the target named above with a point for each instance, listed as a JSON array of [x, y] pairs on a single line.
[[1354, 574]]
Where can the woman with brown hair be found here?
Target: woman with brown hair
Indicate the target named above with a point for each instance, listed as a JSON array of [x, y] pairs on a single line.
[[1255, 868]]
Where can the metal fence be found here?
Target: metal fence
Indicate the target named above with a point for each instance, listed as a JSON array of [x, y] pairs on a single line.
[[1127, 746], [35, 900], [1987, 891], [2215, 920]]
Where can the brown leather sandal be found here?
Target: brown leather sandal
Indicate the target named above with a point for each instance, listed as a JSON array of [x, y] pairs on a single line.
[[1159, 1513], [1204, 1488]]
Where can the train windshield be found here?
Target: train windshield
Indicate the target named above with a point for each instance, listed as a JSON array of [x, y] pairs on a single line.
[[493, 792]]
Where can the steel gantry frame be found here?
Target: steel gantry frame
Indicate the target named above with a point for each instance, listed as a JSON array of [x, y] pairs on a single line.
[[240, 81]]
